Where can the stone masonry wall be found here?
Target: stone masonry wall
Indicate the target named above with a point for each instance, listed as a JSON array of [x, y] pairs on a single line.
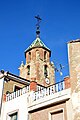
[[74, 66], [74, 63]]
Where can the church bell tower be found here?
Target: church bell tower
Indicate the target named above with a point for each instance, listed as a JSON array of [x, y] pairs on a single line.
[[38, 66]]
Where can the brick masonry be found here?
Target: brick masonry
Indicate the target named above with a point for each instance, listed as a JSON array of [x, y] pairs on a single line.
[[37, 62]]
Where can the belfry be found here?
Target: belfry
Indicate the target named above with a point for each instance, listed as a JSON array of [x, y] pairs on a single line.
[[38, 66]]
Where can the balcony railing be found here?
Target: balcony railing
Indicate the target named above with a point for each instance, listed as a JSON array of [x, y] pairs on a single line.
[[40, 93], [18, 93], [48, 91]]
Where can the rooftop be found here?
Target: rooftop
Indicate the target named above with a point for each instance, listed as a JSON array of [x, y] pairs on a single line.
[[73, 41], [37, 43]]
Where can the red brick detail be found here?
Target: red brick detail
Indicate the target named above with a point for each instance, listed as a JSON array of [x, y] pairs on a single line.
[[33, 85], [67, 82], [4, 97]]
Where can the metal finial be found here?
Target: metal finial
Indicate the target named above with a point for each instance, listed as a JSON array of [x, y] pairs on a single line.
[[22, 64], [38, 25]]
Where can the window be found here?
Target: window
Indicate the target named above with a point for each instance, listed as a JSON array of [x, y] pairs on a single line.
[[28, 70], [56, 115], [45, 71], [37, 54], [13, 116], [16, 88], [29, 56], [45, 55]]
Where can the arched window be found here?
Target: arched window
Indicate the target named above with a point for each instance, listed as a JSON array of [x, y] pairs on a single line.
[[45, 71], [29, 56], [45, 55], [28, 70], [37, 54]]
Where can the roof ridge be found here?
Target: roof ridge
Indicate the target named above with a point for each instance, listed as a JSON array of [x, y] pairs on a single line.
[[37, 43]]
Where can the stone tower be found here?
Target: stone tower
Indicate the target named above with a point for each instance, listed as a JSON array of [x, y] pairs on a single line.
[[38, 66]]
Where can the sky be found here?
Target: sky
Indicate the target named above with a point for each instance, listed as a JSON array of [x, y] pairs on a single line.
[[60, 24]]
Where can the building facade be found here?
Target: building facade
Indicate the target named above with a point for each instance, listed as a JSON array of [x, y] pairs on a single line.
[[34, 95]]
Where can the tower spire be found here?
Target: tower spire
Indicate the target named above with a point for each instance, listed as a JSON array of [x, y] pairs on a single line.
[[38, 26]]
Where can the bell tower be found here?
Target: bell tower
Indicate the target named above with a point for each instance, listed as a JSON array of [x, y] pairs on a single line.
[[38, 66]]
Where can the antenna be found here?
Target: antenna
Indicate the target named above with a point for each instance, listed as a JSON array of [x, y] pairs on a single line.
[[38, 25], [59, 69]]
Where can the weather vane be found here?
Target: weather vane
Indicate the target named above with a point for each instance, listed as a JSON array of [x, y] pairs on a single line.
[[38, 25], [59, 69]]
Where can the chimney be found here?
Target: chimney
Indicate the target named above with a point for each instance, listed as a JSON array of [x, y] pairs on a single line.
[[33, 84], [67, 82]]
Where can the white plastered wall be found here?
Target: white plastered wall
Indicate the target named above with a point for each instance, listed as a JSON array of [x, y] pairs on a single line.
[[19, 105]]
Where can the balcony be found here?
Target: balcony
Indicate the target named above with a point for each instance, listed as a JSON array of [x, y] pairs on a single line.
[[18, 93], [53, 94], [48, 91], [41, 92]]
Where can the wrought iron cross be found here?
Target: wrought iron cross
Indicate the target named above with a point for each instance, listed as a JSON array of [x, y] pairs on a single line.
[[38, 25], [38, 20]]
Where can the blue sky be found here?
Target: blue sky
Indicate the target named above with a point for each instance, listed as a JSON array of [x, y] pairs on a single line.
[[60, 24]]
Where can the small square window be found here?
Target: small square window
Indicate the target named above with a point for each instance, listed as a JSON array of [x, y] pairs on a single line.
[[56, 115], [13, 116]]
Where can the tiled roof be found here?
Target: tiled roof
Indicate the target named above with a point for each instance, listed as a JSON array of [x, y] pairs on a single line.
[[37, 43]]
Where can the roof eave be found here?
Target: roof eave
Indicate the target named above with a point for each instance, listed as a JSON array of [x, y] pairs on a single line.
[[74, 41], [27, 50]]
